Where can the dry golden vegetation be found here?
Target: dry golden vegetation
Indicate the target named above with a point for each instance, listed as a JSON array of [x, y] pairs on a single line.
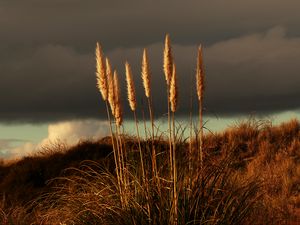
[[250, 175], [247, 174]]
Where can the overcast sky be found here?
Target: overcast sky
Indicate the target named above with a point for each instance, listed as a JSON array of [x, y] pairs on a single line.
[[47, 66]]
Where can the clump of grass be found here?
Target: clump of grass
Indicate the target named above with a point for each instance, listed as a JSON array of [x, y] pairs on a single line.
[[108, 85], [91, 196], [174, 191], [109, 88], [105, 86]]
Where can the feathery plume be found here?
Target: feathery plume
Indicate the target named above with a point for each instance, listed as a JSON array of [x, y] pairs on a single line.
[[146, 74], [130, 87], [168, 60], [200, 75], [173, 90], [117, 94], [100, 72], [200, 92], [110, 81]]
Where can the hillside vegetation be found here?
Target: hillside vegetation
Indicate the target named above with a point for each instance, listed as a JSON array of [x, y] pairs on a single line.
[[250, 175]]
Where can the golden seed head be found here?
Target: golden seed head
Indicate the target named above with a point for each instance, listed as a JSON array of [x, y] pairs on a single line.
[[173, 90], [119, 116], [117, 91], [101, 72], [110, 82], [117, 94], [168, 60], [130, 87], [146, 76], [200, 75]]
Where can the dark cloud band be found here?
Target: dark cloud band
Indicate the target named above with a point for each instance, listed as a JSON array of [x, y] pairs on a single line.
[[47, 63]]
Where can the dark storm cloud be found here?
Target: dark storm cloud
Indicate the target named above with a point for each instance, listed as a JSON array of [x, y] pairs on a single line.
[[131, 23], [47, 53], [248, 74]]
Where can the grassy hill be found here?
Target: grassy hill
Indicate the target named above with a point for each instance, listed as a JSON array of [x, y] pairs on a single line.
[[250, 175]]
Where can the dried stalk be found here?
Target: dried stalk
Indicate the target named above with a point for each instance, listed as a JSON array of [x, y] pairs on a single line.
[[132, 104], [200, 92], [146, 77], [168, 66], [174, 101]]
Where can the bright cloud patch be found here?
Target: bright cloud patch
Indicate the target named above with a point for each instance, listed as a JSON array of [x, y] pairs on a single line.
[[69, 132], [74, 131]]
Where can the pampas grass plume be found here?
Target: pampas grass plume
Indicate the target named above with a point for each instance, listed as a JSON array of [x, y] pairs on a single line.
[[130, 87], [200, 75], [111, 92], [101, 72], [117, 94], [168, 60], [173, 90], [146, 74]]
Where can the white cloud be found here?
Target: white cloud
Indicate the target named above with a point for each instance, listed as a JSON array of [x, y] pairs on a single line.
[[23, 150], [68, 132], [71, 132]]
